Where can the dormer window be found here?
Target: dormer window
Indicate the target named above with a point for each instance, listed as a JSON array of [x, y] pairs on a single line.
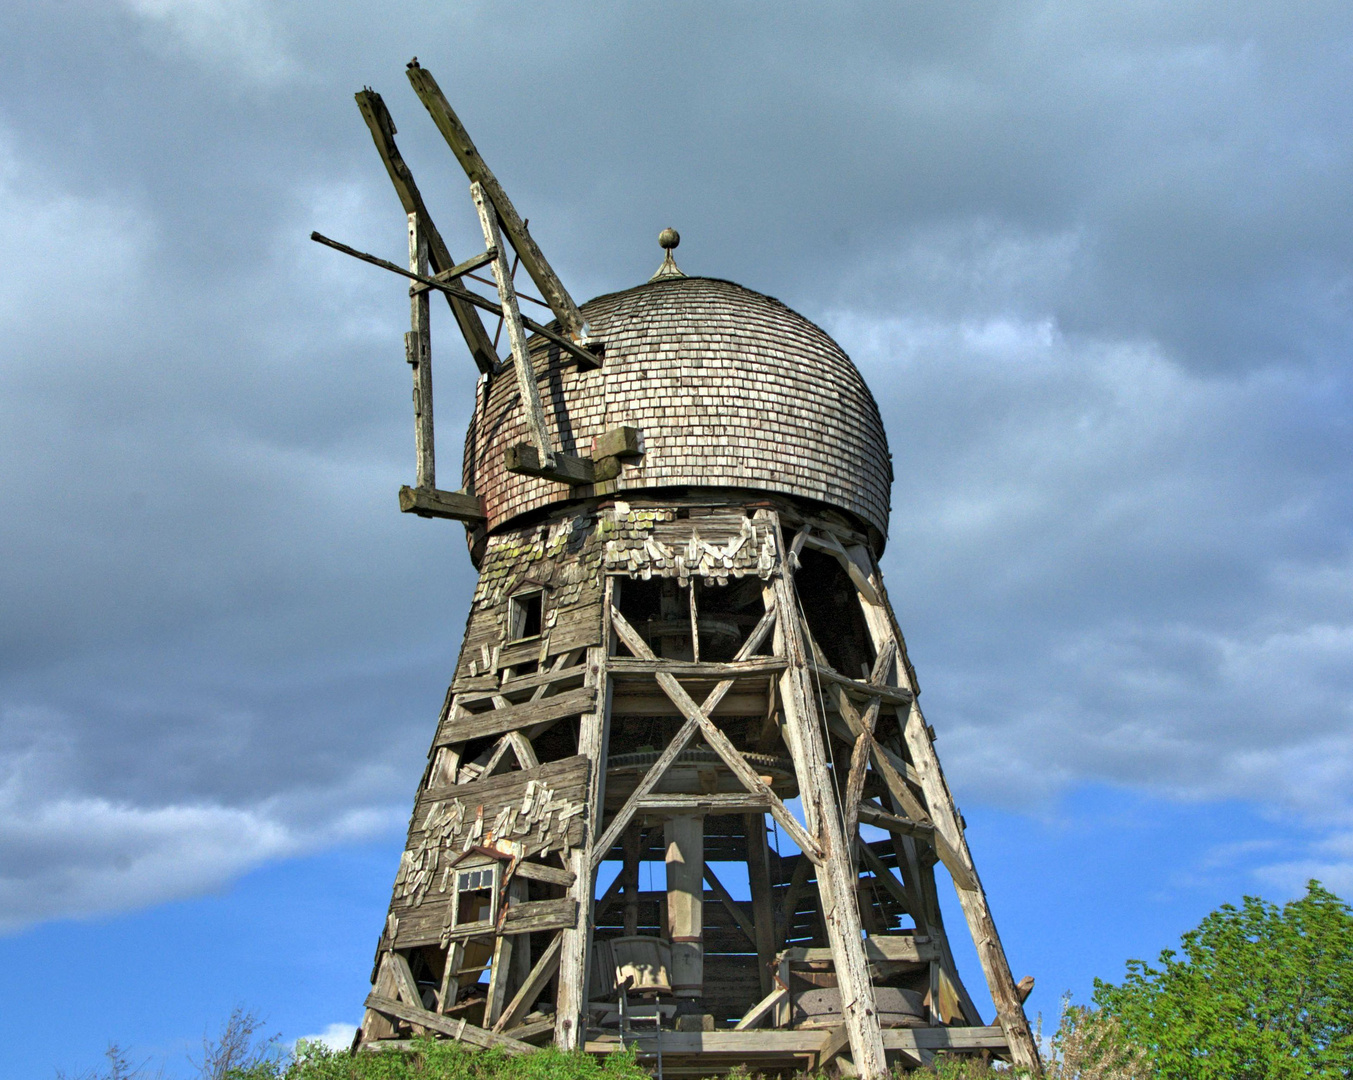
[[524, 614]]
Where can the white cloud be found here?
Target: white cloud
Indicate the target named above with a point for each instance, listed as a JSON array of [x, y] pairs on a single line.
[[1117, 587], [336, 1036]]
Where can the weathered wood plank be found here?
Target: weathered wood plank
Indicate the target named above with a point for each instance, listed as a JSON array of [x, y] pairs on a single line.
[[717, 740], [551, 874], [719, 803], [558, 677], [623, 666], [516, 332], [382, 127], [433, 503], [426, 923], [532, 987], [457, 1029], [532, 258], [951, 844], [527, 460], [872, 815], [762, 1009], [894, 948], [575, 957], [464, 725], [894, 695], [836, 878]]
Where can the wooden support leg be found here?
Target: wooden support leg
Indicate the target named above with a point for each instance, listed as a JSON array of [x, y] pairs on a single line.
[[630, 872], [571, 1001], [803, 734], [763, 904], [374, 1025], [949, 833]]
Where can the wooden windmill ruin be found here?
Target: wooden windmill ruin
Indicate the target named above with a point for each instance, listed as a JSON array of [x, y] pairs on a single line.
[[676, 497]]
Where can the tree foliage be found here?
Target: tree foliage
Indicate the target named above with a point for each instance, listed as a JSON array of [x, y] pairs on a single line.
[[1259, 993]]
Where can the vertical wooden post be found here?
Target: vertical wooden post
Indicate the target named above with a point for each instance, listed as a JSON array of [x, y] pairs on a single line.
[[570, 1022], [418, 352], [944, 814], [763, 903], [822, 818], [631, 872], [516, 332]]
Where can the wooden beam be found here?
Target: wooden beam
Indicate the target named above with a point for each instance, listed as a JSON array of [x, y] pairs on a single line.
[[594, 728], [382, 127], [762, 1009], [532, 259], [881, 948], [894, 695], [951, 844], [464, 725], [732, 802], [881, 819], [418, 352], [433, 503], [718, 741], [516, 332], [585, 356], [533, 871], [457, 1029], [763, 896], [836, 878], [687, 669], [618, 442], [526, 460], [659, 768], [731, 906], [531, 988]]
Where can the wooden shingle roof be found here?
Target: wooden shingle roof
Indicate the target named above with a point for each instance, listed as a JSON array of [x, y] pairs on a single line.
[[729, 388]]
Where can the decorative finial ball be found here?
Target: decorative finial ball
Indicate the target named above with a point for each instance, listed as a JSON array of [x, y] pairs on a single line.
[[669, 238]]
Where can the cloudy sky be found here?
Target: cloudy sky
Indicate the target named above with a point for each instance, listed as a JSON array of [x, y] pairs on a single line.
[[1094, 261]]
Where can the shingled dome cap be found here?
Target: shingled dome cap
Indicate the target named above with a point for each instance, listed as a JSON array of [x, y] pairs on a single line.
[[729, 389]]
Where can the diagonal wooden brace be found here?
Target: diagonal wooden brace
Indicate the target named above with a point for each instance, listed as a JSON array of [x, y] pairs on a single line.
[[659, 768], [718, 741]]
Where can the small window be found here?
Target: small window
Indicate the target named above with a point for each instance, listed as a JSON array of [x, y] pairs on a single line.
[[476, 895], [524, 615]]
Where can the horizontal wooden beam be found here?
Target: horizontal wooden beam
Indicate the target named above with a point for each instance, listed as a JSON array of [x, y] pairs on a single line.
[[464, 725], [435, 503], [539, 872], [567, 469], [557, 677], [804, 1040], [881, 819], [895, 948], [895, 695], [687, 669], [618, 442], [738, 802]]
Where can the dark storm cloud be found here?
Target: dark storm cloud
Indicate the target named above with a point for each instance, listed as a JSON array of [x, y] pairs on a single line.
[[1094, 263]]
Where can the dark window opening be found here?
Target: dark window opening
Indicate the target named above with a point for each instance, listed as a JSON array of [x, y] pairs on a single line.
[[524, 611], [832, 607]]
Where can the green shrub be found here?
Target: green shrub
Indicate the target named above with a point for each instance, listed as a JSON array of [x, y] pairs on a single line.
[[430, 1059], [1260, 993]]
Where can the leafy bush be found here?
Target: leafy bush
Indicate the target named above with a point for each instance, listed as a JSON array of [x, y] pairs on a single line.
[[1260, 993], [430, 1059]]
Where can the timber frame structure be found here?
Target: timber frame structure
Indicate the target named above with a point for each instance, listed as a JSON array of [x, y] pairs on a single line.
[[668, 646]]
